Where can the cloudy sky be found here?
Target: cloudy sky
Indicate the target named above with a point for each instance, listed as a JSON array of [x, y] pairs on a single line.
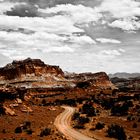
[[77, 35]]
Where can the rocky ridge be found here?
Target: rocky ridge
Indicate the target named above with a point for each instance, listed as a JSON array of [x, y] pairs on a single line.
[[32, 78], [35, 73]]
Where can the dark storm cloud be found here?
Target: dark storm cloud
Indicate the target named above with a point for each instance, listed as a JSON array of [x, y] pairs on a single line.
[[52, 3], [23, 10], [45, 3], [29, 8]]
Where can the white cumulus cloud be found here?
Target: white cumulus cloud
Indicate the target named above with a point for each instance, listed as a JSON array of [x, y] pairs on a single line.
[[112, 53], [78, 14], [49, 34], [6, 6], [81, 39], [121, 8], [123, 13], [63, 35], [126, 24], [108, 40], [56, 24]]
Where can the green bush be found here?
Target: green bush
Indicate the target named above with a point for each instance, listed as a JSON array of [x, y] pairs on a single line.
[[75, 116], [29, 131], [45, 132], [116, 131], [79, 126], [83, 120], [99, 125], [18, 130], [120, 109], [88, 109]]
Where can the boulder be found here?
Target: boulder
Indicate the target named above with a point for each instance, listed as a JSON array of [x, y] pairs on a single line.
[[19, 101], [26, 109], [9, 111]]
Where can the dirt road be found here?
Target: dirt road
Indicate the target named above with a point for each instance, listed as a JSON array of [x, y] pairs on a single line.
[[62, 123]]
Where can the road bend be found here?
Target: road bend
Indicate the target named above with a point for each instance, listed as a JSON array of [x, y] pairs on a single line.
[[62, 123]]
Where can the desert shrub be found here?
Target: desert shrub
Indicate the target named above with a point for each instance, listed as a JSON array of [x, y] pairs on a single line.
[[116, 131], [134, 125], [75, 116], [130, 118], [70, 102], [99, 125], [79, 126], [26, 125], [119, 109], [88, 109], [129, 103], [43, 102], [18, 130], [45, 132], [107, 103], [83, 120], [2, 109], [29, 131]]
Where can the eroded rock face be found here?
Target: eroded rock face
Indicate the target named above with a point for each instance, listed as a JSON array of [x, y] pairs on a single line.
[[87, 76], [12, 93], [97, 79], [17, 69]]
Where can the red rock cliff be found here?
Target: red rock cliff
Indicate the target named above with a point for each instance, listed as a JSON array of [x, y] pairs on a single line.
[[27, 67], [99, 79]]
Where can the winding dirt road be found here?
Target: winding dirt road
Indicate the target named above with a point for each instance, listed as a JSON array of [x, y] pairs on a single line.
[[62, 123]]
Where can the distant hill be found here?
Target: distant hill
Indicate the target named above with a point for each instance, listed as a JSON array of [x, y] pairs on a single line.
[[124, 75]]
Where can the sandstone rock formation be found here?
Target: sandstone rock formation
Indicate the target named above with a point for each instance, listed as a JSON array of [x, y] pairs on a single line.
[[99, 79], [28, 67], [33, 73], [9, 111]]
